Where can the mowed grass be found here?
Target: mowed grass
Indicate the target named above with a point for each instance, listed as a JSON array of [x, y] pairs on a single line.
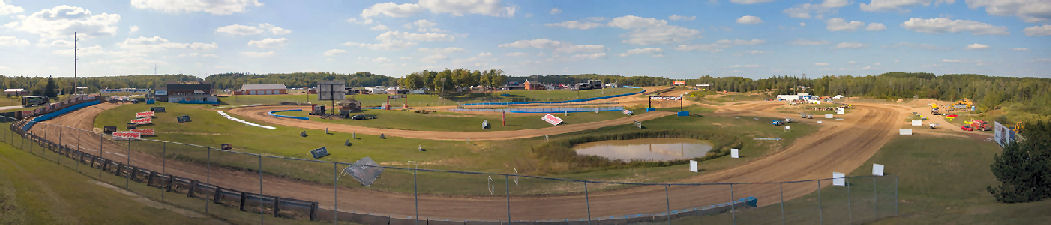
[[36, 191], [366, 100], [941, 180], [433, 99], [452, 121]]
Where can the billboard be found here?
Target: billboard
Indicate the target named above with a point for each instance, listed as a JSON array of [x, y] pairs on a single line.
[[678, 82], [126, 135], [1002, 135], [331, 90], [142, 121], [144, 132], [146, 114]]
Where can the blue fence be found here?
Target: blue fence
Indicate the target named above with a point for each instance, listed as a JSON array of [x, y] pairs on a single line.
[[54, 114], [567, 101]]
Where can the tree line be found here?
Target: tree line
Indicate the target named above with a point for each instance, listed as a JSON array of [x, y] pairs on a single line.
[[298, 79], [455, 80]]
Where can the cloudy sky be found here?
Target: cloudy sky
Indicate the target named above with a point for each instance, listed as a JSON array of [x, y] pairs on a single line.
[[679, 39]]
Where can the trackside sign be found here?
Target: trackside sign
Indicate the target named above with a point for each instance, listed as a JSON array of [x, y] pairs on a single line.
[[126, 135], [144, 132], [552, 119], [146, 114], [142, 121]]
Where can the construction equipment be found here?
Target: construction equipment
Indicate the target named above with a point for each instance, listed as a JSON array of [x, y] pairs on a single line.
[[30, 101], [963, 104], [1018, 127], [981, 125], [934, 109]]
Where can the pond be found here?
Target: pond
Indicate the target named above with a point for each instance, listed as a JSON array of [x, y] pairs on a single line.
[[646, 149]]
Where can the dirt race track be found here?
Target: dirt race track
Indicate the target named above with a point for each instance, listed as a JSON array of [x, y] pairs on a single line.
[[839, 145]]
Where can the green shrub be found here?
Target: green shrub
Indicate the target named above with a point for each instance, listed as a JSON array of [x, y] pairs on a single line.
[[1024, 167]]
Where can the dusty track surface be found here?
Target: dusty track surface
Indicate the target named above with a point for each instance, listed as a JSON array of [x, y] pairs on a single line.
[[838, 146], [258, 113]]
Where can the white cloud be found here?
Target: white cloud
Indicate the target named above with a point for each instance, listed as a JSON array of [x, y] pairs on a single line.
[[648, 31], [335, 52], [1043, 30], [391, 9], [946, 25], [392, 40], [381, 60], [951, 61], [12, 41], [749, 19], [745, 66], [554, 11], [238, 29], [432, 55], [654, 52], [719, 45], [268, 43], [6, 9], [747, 2], [1028, 10], [461, 7], [888, 5], [577, 25], [534, 43], [839, 24], [133, 29], [157, 43], [805, 10], [216, 7], [809, 42], [255, 54], [82, 51], [1020, 49], [977, 46], [674, 17], [755, 52], [850, 45], [876, 27], [515, 54], [379, 27], [61, 21], [425, 26], [821, 64]]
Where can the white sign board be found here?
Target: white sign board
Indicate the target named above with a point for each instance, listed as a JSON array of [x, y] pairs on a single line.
[[840, 111], [838, 180], [828, 116], [877, 170], [904, 131], [818, 121], [693, 166], [788, 127], [735, 153], [552, 119], [917, 123]]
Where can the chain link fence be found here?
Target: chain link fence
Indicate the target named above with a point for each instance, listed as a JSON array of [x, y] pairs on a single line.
[[246, 188]]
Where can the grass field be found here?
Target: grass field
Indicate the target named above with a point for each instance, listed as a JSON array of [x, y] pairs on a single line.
[[942, 180], [37, 191], [210, 129], [451, 121]]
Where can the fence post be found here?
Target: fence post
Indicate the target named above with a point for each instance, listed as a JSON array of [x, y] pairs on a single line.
[[127, 182], [733, 207], [80, 156], [820, 217], [164, 165], [261, 212], [587, 201], [667, 205], [415, 196], [208, 176], [781, 186], [335, 193], [507, 192], [100, 152], [850, 209], [875, 198], [896, 196]]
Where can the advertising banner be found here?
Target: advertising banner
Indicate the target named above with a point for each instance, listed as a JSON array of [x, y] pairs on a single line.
[[552, 119], [126, 135], [144, 132], [678, 82], [142, 121], [665, 97], [145, 114]]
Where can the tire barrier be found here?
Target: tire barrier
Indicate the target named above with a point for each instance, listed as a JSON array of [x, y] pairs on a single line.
[[59, 112]]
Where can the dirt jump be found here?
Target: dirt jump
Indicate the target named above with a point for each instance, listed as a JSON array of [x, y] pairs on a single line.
[[839, 145]]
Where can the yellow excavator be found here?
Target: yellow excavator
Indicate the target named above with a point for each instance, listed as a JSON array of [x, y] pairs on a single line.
[[934, 109]]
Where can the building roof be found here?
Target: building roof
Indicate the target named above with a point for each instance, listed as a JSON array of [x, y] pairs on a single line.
[[262, 86]]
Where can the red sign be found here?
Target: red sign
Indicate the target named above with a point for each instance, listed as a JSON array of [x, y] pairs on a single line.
[[144, 114], [144, 132], [127, 135], [678, 82], [552, 119], [142, 121]]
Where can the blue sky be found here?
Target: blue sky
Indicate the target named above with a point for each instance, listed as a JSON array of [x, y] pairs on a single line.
[[678, 39]]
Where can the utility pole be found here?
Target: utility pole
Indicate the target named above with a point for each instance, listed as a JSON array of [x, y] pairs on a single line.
[[75, 62]]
